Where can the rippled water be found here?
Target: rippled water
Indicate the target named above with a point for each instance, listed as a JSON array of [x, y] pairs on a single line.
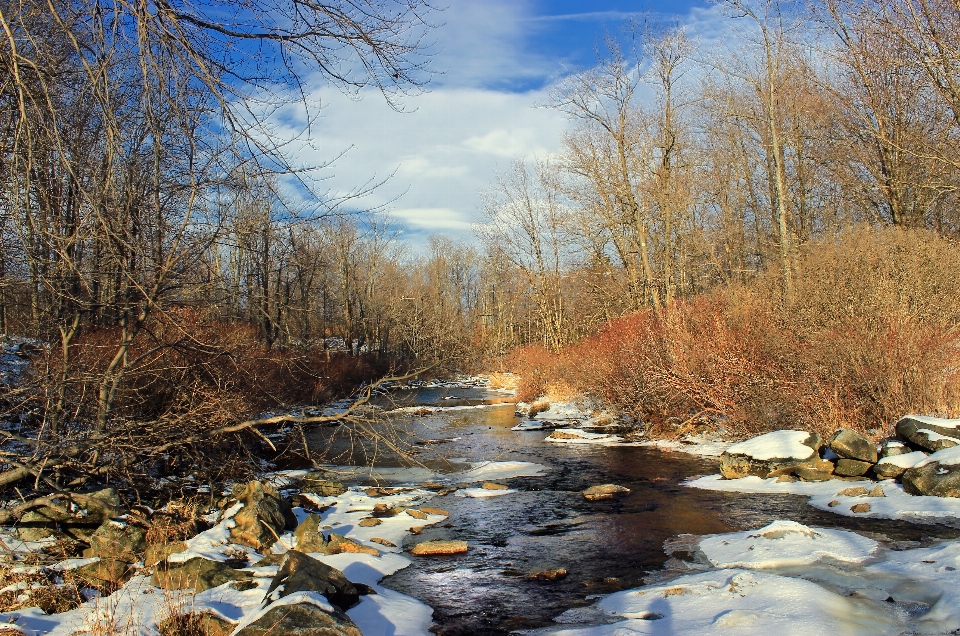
[[605, 545]]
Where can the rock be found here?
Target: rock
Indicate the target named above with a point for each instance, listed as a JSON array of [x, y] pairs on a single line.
[[338, 544], [305, 502], [604, 491], [849, 444], [926, 436], [938, 475], [435, 511], [308, 536], [389, 544], [106, 571], [416, 530], [860, 507], [432, 485], [301, 573], [489, 485], [894, 466], [888, 471], [158, 552], [416, 514], [549, 575], [854, 491], [119, 541], [787, 479], [319, 483], [195, 623], [812, 474], [769, 452], [369, 522], [300, 619], [852, 467], [431, 548], [383, 510], [198, 574], [892, 448], [263, 518], [833, 504], [382, 492], [876, 492], [79, 519]]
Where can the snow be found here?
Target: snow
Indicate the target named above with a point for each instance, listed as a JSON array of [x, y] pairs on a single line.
[[786, 543], [775, 445], [741, 602], [482, 493], [486, 471], [946, 457], [906, 460], [896, 504], [934, 436], [700, 445], [582, 437], [933, 421]]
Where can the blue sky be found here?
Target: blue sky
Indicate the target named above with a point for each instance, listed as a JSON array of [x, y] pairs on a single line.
[[495, 63]]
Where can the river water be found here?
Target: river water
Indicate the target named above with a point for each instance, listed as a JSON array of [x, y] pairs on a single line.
[[605, 546]]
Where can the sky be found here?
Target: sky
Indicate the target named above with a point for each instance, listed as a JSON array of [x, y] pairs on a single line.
[[494, 62]]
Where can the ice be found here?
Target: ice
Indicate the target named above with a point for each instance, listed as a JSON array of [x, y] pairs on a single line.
[[579, 436], [775, 445], [485, 471], [785, 543]]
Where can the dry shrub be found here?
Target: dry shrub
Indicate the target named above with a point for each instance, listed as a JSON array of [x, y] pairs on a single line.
[[870, 334], [40, 591], [503, 381]]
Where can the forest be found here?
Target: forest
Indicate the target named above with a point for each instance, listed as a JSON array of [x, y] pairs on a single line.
[[758, 234]]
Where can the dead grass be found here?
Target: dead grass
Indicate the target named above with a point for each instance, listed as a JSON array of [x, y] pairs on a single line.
[[870, 334]]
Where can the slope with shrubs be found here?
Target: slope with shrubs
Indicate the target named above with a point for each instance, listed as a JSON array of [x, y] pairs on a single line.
[[870, 333]]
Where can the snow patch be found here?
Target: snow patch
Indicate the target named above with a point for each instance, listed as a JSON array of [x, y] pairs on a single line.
[[775, 445]]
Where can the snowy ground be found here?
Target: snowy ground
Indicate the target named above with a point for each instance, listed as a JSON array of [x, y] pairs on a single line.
[[137, 606], [788, 579]]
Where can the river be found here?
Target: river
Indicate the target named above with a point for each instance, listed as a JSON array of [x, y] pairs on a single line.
[[605, 546]]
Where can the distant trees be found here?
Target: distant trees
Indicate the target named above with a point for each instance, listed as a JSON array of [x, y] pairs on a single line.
[[685, 169]]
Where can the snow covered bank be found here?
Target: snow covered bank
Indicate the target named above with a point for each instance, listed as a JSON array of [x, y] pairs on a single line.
[[834, 496]]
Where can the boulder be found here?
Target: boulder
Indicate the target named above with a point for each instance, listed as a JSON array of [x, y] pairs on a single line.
[[604, 491], [302, 573], [489, 485], [308, 536], [320, 483], [369, 522], [310, 539], [920, 433], [860, 508], [300, 619], [384, 542], [197, 573], [770, 452], [416, 514], [852, 467], [78, 519], [434, 511], [198, 623], [160, 551], [892, 448], [812, 474], [849, 444], [107, 572], [118, 540], [938, 474], [893, 466], [383, 510], [549, 575], [264, 516], [433, 548]]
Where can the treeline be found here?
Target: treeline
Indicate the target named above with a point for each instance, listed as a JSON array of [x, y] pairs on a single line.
[[688, 168]]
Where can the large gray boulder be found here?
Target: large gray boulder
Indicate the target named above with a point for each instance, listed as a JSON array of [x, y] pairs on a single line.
[[938, 474], [197, 573], [321, 483], [849, 444], [893, 466], [300, 619], [770, 452], [929, 433], [302, 573], [892, 447], [118, 540], [263, 518]]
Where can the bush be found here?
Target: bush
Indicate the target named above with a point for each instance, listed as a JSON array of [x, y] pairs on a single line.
[[870, 334]]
